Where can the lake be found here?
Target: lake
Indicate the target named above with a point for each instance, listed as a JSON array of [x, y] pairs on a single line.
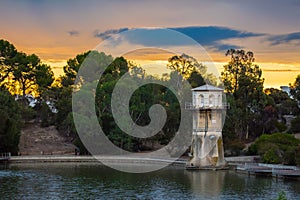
[[95, 181]]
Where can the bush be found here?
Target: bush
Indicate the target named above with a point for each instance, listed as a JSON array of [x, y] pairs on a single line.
[[277, 148], [281, 196], [290, 156], [234, 147], [271, 156]]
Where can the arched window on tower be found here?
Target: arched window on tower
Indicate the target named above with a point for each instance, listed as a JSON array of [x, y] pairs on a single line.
[[211, 100], [201, 100], [220, 100]]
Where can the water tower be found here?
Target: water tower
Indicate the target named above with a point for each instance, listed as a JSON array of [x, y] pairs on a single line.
[[207, 144]]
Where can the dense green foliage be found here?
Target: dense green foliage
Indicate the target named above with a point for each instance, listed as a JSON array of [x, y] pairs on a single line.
[[140, 102], [282, 196], [295, 125], [190, 69], [295, 90], [20, 74], [277, 148], [10, 123], [254, 112], [244, 86]]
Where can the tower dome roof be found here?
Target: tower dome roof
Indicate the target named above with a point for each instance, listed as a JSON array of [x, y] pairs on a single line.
[[207, 88]]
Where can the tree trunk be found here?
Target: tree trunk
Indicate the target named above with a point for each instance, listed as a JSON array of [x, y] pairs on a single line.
[[247, 132]]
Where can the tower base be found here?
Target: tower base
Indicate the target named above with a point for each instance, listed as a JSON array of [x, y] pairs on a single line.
[[213, 168]]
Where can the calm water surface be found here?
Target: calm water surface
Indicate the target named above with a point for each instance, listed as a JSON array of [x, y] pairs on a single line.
[[94, 181]]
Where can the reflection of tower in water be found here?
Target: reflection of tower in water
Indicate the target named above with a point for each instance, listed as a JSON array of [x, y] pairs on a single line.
[[207, 184], [207, 144]]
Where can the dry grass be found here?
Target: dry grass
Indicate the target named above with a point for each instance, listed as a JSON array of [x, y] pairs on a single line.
[[36, 140]]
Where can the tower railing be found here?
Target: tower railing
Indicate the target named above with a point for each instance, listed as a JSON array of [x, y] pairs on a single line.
[[201, 106], [210, 129], [5, 156]]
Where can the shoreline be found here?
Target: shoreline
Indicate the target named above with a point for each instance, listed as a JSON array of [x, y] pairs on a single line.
[[239, 164], [94, 159], [139, 159]]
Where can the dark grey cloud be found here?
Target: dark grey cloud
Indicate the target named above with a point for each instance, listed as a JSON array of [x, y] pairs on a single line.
[[105, 35], [213, 35], [209, 36], [225, 47], [73, 33], [286, 38], [156, 37]]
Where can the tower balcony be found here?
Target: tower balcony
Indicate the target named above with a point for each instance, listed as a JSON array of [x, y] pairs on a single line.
[[202, 129], [191, 106]]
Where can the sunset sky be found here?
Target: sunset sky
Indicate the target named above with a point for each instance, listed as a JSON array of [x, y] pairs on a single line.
[[59, 30]]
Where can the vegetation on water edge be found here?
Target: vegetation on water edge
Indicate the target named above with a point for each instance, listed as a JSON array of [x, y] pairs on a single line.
[[277, 148], [281, 196]]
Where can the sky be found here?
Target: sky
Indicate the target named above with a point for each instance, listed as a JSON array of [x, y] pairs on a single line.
[[59, 30]]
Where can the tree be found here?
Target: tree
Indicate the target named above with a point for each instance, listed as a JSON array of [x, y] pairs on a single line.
[[241, 73], [283, 102], [295, 88], [62, 92], [277, 95], [190, 69], [94, 63], [295, 125], [196, 79], [10, 123], [7, 52], [243, 81], [185, 65], [72, 68], [24, 73], [270, 121], [279, 104], [44, 77], [115, 70], [21, 73]]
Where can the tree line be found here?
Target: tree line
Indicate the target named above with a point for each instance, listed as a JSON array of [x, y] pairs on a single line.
[[254, 111]]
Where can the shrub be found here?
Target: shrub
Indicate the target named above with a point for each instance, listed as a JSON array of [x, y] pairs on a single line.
[[277, 148], [234, 147], [290, 156], [281, 196], [271, 156]]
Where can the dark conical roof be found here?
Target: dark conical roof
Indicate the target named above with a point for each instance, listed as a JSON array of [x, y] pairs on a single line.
[[207, 88]]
